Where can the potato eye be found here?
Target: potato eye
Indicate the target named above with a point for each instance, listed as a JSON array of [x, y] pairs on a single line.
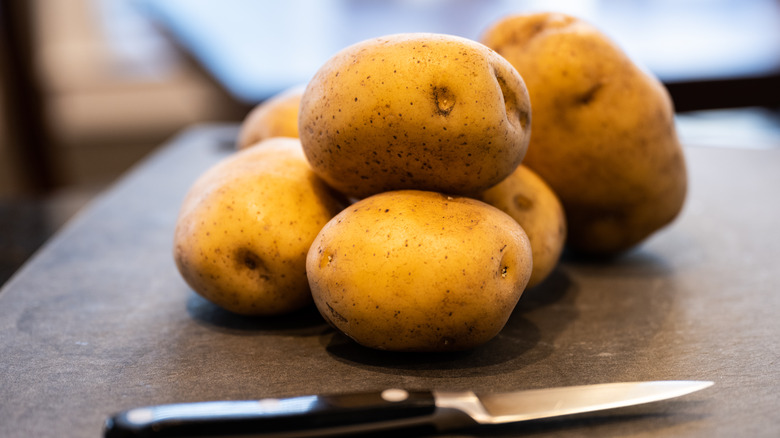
[[523, 202], [444, 100]]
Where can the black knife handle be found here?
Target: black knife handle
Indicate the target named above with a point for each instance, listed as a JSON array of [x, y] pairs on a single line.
[[316, 415]]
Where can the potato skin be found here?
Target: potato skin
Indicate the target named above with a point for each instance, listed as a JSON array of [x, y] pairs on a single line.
[[419, 271], [604, 136], [525, 197], [275, 117], [246, 225], [415, 111]]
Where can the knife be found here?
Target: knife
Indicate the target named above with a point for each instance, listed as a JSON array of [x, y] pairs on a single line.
[[341, 414]]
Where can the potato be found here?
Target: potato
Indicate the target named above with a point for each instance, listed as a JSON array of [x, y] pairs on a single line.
[[414, 270], [246, 225], [275, 117], [415, 111], [603, 137], [533, 204]]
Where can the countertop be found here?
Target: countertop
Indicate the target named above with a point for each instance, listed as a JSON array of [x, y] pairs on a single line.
[[99, 320]]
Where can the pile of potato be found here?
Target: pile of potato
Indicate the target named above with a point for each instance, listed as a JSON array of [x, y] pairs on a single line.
[[403, 192]]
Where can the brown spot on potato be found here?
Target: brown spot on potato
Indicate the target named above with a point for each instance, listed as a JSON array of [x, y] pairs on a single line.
[[508, 260], [336, 314], [325, 260], [523, 202], [248, 259], [590, 94], [444, 100]]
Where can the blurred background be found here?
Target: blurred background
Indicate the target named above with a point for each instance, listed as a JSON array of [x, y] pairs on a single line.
[[88, 88]]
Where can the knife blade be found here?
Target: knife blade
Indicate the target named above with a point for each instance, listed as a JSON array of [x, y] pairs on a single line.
[[341, 414]]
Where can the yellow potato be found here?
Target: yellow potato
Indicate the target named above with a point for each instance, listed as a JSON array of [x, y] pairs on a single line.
[[275, 117], [419, 271], [246, 225], [603, 136], [415, 111], [533, 204]]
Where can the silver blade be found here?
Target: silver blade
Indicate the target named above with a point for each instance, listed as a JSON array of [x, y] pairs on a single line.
[[553, 402]]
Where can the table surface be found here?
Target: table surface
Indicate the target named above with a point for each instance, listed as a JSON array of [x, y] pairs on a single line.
[[99, 320]]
